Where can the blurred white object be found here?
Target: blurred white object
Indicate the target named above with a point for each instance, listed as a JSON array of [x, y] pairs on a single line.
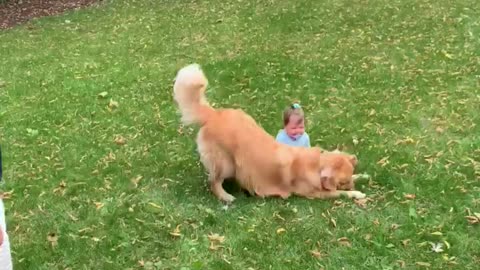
[[5, 256], [360, 176]]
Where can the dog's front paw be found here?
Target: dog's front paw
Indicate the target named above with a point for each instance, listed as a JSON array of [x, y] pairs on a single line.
[[228, 198], [357, 194]]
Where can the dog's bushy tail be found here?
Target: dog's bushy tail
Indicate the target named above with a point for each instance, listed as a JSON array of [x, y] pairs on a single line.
[[189, 93]]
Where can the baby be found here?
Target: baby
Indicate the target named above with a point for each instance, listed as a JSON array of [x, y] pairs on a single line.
[[293, 132]]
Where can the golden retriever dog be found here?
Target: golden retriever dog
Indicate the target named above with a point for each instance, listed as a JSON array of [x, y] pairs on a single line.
[[232, 145]]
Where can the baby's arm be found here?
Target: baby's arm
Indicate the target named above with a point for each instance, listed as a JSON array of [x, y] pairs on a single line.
[[307, 141], [279, 137], [1, 236]]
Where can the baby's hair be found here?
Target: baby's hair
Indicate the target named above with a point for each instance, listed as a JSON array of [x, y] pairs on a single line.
[[294, 109]]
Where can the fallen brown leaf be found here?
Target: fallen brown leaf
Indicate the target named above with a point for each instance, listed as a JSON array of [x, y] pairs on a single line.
[[72, 217], [180, 130], [136, 180], [383, 162], [281, 230], [409, 196], [405, 141], [315, 253], [215, 241], [361, 202], [403, 166], [474, 219], [61, 188], [394, 226], [156, 206], [176, 231], [96, 239], [6, 195], [119, 140], [344, 241], [334, 223], [216, 238], [53, 239], [425, 264], [112, 104], [406, 242], [401, 263], [99, 205]]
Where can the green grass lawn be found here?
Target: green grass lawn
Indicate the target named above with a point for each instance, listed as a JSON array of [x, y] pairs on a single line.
[[395, 82]]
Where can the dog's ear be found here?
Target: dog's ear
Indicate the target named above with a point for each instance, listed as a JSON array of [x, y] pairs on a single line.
[[327, 179], [353, 160]]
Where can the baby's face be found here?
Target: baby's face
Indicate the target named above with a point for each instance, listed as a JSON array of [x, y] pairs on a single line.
[[295, 127]]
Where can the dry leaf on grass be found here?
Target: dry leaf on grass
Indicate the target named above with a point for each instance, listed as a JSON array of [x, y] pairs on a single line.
[[383, 162], [405, 141], [344, 241], [156, 206], [6, 195], [103, 94], [447, 244], [215, 241], [281, 230], [334, 223], [394, 226], [120, 140], [361, 202], [112, 104], [61, 188], [72, 217], [99, 205], [176, 231], [473, 219], [53, 239], [136, 180], [315, 253], [215, 237], [390, 245], [409, 196], [439, 130], [355, 141], [425, 264]]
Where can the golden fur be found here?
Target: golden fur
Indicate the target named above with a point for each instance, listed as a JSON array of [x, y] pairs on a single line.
[[232, 145]]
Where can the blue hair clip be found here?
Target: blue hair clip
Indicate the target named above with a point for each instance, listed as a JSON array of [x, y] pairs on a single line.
[[296, 106]]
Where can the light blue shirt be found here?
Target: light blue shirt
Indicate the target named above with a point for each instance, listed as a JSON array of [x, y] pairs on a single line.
[[303, 141]]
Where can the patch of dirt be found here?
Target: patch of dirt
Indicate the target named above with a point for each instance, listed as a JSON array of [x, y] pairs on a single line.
[[14, 12]]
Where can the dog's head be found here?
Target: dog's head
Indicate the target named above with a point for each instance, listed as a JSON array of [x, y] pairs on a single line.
[[336, 170]]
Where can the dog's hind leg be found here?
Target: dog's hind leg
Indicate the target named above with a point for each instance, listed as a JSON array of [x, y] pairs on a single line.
[[218, 164], [216, 181]]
